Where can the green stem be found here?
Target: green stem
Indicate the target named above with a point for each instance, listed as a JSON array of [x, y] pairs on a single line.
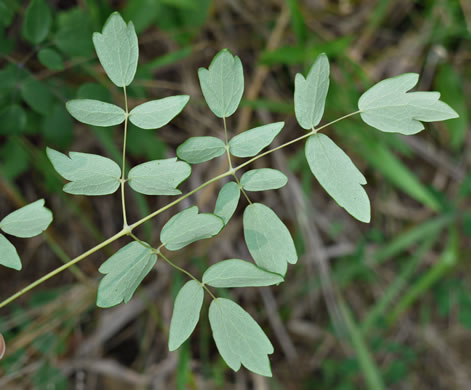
[[62, 268], [123, 165], [187, 273], [127, 230]]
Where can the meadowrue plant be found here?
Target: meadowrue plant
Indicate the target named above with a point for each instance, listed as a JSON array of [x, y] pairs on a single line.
[[388, 106]]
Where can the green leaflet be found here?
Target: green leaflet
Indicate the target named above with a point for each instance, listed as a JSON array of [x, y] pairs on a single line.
[[268, 239], [388, 107], [263, 179], [227, 201], [310, 93], [159, 177], [9, 256], [239, 339], [90, 174], [196, 150], [124, 272], [239, 273], [157, 113], [37, 95], [251, 142], [188, 226], [51, 59], [117, 50], [338, 175], [29, 221], [37, 21], [95, 113], [186, 314], [222, 83]]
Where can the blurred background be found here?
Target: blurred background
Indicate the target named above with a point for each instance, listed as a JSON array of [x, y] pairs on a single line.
[[385, 305]]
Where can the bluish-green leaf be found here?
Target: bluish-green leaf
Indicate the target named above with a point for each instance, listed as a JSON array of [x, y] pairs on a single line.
[[196, 150], [124, 272], [29, 221], [239, 273], [338, 175], [8, 254], [90, 174], [37, 21], [388, 107], [186, 314], [95, 112], [268, 239], [263, 179], [251, 142], [51, 59], [159, 177], [310, 93], [223, 83], [157, 113], [239, 339], [117, 50], [189, 226], [227, 201]]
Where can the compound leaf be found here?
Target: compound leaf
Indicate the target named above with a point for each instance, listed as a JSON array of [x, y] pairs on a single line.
[[388, 107], [157, 113], [8, 254], [29, 221], [90, 174], [37, 21], [227, 201], [124, 272], [196, 150], [268, 239], [263, 179], [239, 339], [117, 50], [189, 226], [159, 177], [251, 142], [95, 113], [239, 273], [222, 83], [186, 313], [310, 93], [338, 175]]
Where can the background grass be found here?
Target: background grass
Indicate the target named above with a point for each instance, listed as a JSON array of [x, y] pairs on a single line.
[[379, 306]]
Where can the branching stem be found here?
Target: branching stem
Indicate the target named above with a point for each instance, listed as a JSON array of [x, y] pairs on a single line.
[[128, 230]]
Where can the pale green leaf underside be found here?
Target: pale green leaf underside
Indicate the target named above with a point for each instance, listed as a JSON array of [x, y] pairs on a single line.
[[124, 272], [196, 150], [251, 142], [310, 93], [117, 50], [186, 314], [239, 273], [157, 113], [95, 113], [268, 239], [338, 175], [227, 201], [239, 339], [29, 221], [8, 254], [189, 226], [159, 177], [223, 83], [388, 107], [90, 174], [263, 179]]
